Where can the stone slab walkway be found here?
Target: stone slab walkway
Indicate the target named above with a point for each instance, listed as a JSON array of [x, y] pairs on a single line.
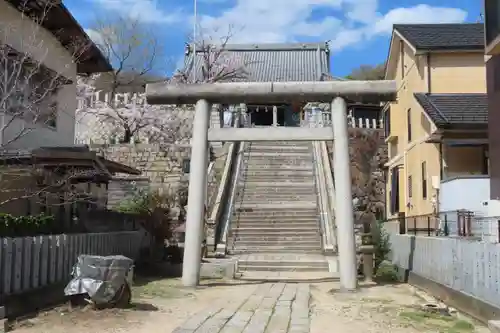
[[271, 308]]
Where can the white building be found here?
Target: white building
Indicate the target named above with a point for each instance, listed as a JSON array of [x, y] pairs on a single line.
[[55, 43]]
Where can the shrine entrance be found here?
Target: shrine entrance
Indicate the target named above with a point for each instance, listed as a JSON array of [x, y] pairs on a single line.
[[258, 93]]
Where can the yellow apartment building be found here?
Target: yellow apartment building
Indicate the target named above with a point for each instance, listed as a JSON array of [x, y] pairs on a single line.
[[436, 131]]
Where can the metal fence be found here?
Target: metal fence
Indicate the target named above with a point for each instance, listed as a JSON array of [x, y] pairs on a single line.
[[458, 223], [28, 263]]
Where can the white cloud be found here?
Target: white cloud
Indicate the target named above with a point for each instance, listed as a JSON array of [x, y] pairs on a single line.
[[418, 14], [147, 11], [95, 36], [348, 21]]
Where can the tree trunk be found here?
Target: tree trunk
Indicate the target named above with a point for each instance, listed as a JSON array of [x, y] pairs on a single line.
[[127, 136]]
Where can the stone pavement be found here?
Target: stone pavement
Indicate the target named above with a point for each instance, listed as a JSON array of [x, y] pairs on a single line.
[[271, 308]]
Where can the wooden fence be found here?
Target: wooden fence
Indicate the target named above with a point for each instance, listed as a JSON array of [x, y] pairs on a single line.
[[28, 263]]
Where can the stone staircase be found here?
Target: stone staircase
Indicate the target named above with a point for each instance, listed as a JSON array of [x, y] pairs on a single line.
[[275, 222]]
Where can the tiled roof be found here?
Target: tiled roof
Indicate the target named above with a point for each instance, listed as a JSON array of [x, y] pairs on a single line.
[[455, 110], [274, 62], [465, 36]]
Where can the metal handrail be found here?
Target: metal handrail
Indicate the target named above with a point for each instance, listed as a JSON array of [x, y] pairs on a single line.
[[317, 182], [325, 212], [221, 248], [330, 191]]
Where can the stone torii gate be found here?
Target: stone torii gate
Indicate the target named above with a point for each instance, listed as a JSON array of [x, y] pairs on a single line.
[[205, 94]]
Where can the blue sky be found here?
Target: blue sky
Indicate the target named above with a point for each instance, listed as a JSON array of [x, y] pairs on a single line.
[[359, 30]]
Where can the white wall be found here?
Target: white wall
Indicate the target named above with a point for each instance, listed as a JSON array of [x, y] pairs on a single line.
[[470, 267], [466, 192], [26, 36]]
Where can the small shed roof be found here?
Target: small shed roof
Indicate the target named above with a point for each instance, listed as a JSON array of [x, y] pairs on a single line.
[[80, 157]]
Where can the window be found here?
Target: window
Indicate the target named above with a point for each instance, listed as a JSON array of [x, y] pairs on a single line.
[[410, 187], [424, 180], [394, 191], [408, 120], [387, 122], [32, 88], [186, 165]]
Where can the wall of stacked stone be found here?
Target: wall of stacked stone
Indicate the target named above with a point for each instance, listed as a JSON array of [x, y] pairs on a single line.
[[97, 123], [161, 166], [368, 153]]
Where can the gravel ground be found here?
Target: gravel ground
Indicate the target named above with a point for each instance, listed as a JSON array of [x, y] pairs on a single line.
[[161, 306], [380, 309]]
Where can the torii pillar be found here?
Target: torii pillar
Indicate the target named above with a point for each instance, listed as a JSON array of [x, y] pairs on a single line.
[[271, 92]]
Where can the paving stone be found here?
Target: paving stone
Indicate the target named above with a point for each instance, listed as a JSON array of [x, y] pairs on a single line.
[[271, 308], [280, 320], [197, 320], [259, 321]]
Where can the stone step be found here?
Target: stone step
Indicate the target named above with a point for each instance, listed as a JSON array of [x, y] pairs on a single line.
[[282, 143], [273, 220], [256, 227], [278, 148], [251, 232], [278, 161], [277, 172], [275, 239], [274, 201], [277, 211], [268, 267], [280, 190], [286, 243], [301, 261], [291, 184], [277, 168], [283, 215], [272, 164], [260, 178], [264, 204], [311, 196], [285, 151], [276, 249]]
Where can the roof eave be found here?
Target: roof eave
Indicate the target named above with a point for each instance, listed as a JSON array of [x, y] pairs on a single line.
[[444, 49], [462, 126], [92, 60]]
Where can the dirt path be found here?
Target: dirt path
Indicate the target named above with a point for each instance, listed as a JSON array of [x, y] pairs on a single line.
[[162, 306], [158, 307], [380, 309]]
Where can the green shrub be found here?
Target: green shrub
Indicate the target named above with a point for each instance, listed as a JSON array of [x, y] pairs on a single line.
[[382, 244], [386, 272], [17, 226]]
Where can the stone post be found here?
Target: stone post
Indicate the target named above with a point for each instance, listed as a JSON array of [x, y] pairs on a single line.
[[195, 217], [344, 212], [367, 250], [275, 116]]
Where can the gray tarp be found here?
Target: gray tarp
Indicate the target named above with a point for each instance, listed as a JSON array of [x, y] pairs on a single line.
[[99, 277]]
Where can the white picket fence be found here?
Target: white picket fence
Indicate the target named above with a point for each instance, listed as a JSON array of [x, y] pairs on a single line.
[[326, 120], [28, 263], [93, 100]]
